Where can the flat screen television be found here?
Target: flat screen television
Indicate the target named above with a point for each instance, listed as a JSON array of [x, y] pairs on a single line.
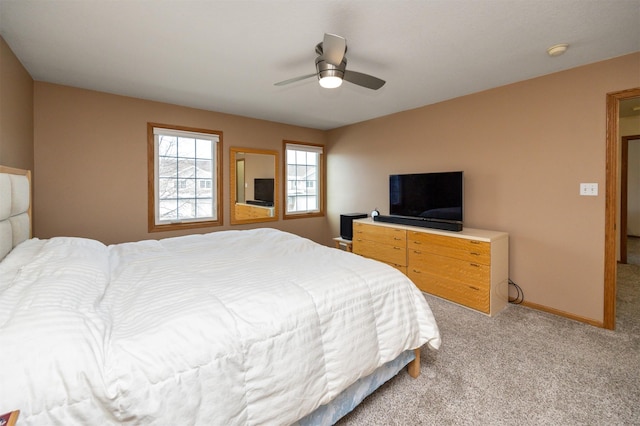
[[428, 197], [263, 190]]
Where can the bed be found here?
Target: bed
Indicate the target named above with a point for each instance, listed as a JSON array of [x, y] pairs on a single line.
[[231, 327]]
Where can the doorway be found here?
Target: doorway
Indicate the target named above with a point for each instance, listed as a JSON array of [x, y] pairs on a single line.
[[240, 185], [611, 203], [630, 200]]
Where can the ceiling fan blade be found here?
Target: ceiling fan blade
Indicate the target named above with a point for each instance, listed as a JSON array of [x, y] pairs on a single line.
[[364, 80], [333, 48], [293, 80]]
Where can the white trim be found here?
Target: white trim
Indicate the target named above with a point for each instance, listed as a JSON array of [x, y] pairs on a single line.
[[313, 149], [186, 134], [307, 148], [215, 138]]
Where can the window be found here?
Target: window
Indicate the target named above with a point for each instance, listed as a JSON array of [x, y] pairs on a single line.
[[184, 177], [305, 180]]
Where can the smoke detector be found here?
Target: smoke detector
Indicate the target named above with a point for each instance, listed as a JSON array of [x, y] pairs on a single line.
[[557, 50]]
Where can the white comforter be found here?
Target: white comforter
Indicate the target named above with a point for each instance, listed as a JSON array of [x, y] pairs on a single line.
[[232, 327]]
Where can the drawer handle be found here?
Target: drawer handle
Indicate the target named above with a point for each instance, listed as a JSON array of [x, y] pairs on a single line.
[[397, 239], [416, 271], [474, 288], [417, 242], [396, 248], [417, 252], [475, 265], [473, 253], [474, 242]]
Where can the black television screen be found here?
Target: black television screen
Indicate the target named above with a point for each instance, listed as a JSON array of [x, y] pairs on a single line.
[[263, 189], [434, 196]]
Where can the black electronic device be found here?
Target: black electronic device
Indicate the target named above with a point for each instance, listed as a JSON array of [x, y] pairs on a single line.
[[346, 224], [263, 190], [260, 203], [430, 200], [424, 223]]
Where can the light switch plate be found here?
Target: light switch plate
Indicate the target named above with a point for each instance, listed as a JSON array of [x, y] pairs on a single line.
[[589, 189]]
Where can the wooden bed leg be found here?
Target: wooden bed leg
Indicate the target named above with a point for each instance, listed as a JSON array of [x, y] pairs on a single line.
[[413, 368]]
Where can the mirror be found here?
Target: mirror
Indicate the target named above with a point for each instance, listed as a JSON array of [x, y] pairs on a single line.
[[253, 175]]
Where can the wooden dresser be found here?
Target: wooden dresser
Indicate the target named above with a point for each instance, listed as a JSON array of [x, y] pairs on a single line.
[[470, 267], [384, 243], [249, 211]]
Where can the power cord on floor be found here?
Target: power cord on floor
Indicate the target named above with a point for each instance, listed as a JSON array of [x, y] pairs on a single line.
[[519, 294]]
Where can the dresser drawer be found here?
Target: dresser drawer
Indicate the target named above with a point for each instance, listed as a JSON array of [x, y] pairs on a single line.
[[381, 234], [476, 274], [400, 268], [392, 254], [472, 296], [459, 248], [252, 212]]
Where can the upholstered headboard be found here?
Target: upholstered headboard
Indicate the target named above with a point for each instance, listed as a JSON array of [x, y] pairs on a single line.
[[15, 208]]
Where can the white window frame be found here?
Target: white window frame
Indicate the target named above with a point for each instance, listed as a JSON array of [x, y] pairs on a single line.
[[318, 182], [156, 223]]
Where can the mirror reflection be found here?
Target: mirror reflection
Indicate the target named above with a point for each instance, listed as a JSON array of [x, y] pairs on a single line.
[[253, 174]]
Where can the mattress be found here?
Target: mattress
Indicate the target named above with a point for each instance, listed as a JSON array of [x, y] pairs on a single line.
[[232, 327]]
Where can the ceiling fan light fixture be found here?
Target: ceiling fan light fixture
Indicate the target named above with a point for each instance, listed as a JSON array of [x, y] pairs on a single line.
[[330, 76], [330, 82]]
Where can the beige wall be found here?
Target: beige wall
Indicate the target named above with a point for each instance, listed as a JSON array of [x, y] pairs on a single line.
[[16, 111], [257, 166], [91, 162], [524, 148], [630, 126]]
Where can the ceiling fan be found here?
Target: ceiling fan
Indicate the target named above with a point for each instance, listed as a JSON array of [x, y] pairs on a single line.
[[331, 67]]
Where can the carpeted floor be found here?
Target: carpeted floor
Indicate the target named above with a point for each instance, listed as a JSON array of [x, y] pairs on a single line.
[[522, 367]]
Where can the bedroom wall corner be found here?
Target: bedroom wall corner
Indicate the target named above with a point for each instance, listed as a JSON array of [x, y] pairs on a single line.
[[16, 111]]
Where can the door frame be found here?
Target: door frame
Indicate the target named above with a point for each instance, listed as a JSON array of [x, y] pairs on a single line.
[[611, 199]]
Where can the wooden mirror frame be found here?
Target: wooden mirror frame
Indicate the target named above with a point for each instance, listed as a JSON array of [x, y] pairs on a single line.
[[242, 213]]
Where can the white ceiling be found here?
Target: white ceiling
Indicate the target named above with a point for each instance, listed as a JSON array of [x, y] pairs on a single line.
[[226, 55]]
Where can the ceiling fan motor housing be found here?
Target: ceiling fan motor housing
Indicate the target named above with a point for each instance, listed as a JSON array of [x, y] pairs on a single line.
[[325, 69]]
